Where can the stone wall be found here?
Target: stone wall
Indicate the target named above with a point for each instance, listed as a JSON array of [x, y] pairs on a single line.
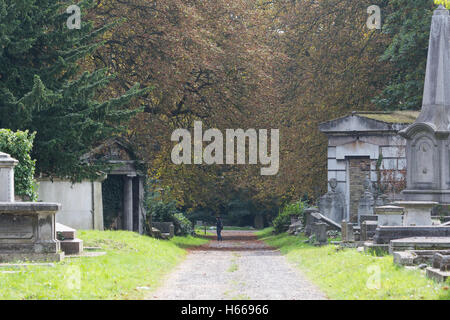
[[81, 202], [359, 169]]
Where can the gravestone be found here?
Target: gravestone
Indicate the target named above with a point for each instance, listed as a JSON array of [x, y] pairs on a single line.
[[320, 232], [27, 229], [366, 203], [348, 232], [368, 229], [332, 204]]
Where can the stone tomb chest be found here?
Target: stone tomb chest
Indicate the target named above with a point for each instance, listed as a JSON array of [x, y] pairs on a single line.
[[27, 229]]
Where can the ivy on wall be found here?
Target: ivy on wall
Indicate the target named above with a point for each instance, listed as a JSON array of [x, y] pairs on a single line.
[[19, 146], [112, 196]]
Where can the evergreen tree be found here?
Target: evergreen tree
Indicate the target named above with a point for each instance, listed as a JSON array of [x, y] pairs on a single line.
[[43, 87], [408, 23]]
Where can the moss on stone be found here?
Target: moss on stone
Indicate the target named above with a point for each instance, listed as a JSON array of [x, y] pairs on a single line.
[[391, 117]]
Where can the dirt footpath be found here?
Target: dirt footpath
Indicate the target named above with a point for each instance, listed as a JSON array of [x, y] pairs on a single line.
[[240, 267]]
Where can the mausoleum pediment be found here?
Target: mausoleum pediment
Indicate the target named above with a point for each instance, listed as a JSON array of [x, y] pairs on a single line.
[[369, 122]]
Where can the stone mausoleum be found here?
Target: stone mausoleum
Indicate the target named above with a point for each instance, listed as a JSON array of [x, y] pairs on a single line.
[[366, 145], [113, 201]]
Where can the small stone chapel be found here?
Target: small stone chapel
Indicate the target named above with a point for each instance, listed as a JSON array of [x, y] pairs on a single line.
[[113, 201]]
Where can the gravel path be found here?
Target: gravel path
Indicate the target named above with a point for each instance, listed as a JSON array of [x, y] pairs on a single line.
[[240, 267]]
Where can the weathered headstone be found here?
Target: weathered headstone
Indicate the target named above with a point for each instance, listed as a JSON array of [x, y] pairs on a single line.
[[348, 232], [368, 229], [332, 204], [366, 203], [320, 232]]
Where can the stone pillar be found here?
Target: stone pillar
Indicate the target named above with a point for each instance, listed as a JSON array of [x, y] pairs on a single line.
[[141, 205], [427, 150], [128, 203], [7, 165]]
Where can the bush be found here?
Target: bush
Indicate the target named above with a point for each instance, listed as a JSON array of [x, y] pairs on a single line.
[[161, 211], [19, 145], [284, 217], [182, 224]]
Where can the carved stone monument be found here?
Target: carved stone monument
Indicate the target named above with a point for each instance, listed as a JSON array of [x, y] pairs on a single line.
[[332, 204], [427, 149], [27, 229], [366, 203]]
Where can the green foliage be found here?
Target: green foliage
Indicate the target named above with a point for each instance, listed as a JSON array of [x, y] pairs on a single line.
[[159, 210], [19, 145], [408, 23], [182, 224], [284, 216], [43, 89]]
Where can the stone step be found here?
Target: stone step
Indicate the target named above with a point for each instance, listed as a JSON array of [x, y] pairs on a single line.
[[72, 246], [437, 274], [64, 232]]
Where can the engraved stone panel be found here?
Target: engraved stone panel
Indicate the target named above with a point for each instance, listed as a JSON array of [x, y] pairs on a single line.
[[16, 226], [424, 159]]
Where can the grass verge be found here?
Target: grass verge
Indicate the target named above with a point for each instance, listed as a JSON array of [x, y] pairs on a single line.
[[132, 267], [350, 275]]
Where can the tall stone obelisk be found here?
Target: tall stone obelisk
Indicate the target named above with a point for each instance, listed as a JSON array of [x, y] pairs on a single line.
[[427, 149]]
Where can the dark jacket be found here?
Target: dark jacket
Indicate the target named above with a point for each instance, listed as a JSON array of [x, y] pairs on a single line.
[[219, 224]]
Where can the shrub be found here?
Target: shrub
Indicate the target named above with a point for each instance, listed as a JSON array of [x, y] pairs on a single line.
[[19, 145], [183, 226], [284, 216], [166, 211]]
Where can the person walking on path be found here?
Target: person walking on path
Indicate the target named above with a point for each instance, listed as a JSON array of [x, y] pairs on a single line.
[[219, 227]]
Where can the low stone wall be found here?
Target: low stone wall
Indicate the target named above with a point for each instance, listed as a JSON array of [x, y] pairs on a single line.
[[165, 227]]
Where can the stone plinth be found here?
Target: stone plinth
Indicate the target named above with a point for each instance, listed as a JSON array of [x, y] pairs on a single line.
[[420, 243], [27, 232], [383, 235], [7, 165], [389, 215], [417, 213]]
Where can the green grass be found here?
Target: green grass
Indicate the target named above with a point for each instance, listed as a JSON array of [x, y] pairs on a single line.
[[132, 267], [237, 228], [201, 231], [350, 275]]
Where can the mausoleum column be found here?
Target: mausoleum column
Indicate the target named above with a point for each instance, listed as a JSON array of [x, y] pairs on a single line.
[[128, 203]]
